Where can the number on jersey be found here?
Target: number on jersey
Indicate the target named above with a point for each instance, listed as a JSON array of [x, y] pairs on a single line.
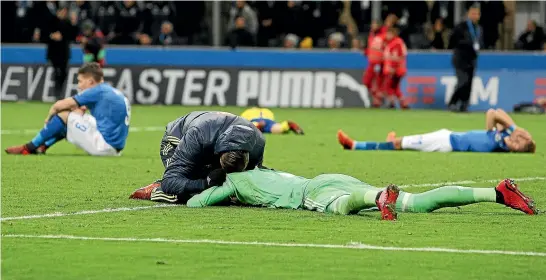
[[127, 106]]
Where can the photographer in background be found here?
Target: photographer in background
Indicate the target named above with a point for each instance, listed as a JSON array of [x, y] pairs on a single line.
[[466, 41]]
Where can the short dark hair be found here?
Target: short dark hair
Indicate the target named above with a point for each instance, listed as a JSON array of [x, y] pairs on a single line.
[[474, 6], [92, 69], [234, 161]]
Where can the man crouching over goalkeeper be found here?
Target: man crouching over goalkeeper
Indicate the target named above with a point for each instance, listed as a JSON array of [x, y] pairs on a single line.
[[342, 194], [198, 149]]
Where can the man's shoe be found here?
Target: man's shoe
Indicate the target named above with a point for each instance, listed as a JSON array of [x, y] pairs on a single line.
[[387, 203], [295, 128], [145, 193], [391, 137], [514, 198], [345, 140], [41, 150], [18, 150]]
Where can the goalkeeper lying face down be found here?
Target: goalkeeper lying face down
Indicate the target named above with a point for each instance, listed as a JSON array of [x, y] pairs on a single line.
[[342, 194]]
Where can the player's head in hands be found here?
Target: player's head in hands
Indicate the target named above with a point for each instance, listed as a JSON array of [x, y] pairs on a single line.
[[89, 75], [518, 143], [234, 161]]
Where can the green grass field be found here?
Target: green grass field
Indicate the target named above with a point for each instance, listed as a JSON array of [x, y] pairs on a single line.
[[155, 243]]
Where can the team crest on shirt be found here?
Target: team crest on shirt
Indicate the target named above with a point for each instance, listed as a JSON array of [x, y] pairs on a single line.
[[498, 137]]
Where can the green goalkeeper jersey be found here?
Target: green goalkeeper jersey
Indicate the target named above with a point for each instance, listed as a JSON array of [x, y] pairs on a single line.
[[269, 188], [258, 187]]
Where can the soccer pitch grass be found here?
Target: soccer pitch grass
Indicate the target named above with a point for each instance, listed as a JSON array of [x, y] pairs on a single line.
[[215, 243]]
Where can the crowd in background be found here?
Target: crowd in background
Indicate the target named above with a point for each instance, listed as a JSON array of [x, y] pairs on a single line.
[[288, 24]]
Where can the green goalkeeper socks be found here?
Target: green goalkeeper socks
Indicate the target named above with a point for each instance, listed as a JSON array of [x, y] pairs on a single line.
[[353, 203], [449, 196]]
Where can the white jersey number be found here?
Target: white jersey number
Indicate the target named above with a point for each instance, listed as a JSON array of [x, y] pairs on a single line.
[[127, 106]]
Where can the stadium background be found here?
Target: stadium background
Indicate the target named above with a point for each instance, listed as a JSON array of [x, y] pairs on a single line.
[[187, 71], [66, 215]]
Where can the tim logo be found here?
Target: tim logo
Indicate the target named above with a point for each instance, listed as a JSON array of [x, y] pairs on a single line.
[[483, 90], [540, 88], [421, 89]]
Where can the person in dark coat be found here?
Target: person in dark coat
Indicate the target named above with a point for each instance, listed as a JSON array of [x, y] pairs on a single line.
[[466, 42], [60, 32], [198, 150], [492, 14], [240, 36], [532, 39]]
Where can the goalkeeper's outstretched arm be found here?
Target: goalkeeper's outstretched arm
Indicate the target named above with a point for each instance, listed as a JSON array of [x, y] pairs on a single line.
[[212, 196]]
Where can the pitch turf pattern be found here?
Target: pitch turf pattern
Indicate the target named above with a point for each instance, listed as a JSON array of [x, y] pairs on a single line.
[[67, 181]]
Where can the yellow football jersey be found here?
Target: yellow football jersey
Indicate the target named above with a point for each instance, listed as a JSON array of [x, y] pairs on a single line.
[[258, 113]]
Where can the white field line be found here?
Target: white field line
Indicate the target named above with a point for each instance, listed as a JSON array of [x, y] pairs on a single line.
[[126, 209], [88, 212], [33, 131], [351, 245]]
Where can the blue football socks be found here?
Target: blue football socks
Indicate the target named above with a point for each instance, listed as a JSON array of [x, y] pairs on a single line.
[[54, 130], [52, 141], [374, 146]]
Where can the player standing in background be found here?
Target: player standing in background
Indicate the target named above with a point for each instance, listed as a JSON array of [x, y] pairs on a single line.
[[372, 77], [342, 194], [264, 120], [501, 135], [394, 67], [103, 133]]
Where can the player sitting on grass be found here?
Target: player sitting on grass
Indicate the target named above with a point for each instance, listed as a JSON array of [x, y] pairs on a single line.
[[264, 120], [103, 133], [342, 194], [501, 135], [193, 149]]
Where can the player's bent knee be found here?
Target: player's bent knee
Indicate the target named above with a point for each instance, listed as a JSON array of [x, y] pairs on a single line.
[[64, 116]]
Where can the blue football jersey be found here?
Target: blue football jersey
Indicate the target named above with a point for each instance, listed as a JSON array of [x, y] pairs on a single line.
[[483, 141], [112, 111]]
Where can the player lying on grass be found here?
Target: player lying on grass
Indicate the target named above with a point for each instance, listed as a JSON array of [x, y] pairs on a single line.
[[264, 120], [195, 146], [342, 194], [102, 133], [501, 135]]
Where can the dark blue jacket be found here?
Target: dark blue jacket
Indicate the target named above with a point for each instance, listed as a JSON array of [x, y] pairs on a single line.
[[203, 137]]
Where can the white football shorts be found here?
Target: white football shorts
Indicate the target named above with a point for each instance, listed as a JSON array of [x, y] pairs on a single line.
[[81, 130], [437, 141]]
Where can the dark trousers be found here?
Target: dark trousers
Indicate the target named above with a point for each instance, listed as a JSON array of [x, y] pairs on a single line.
[[60, 68], [460, 99]]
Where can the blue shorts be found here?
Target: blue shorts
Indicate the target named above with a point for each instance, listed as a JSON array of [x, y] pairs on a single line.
[[268, 124]]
